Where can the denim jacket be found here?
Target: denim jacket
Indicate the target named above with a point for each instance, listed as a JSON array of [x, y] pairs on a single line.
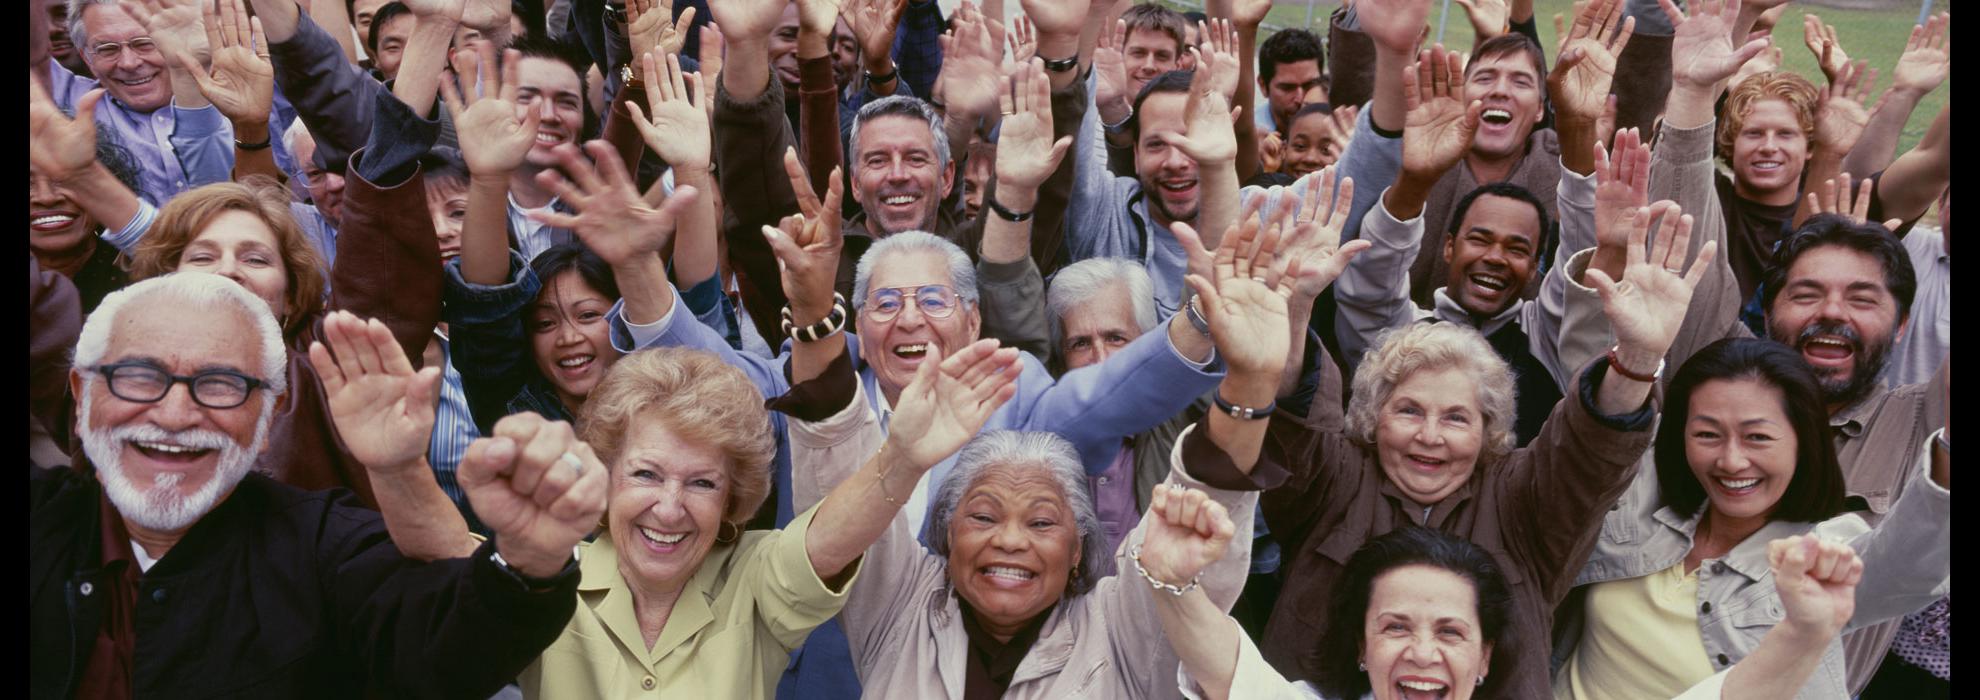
[[1906, 566]]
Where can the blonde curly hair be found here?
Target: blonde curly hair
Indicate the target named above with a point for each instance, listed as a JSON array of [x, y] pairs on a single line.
[[700, 399], [1403, 351]]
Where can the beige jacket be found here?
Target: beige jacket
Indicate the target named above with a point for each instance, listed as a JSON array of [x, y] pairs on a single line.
[[905, 628]]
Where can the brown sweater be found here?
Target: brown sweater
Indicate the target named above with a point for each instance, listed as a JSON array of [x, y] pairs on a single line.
[[1537, 510]]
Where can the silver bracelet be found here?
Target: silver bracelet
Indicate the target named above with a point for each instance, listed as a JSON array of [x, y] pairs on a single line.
[[1134, 554]]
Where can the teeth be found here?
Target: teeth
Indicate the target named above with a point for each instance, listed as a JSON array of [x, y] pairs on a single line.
[[578, 361], [140, 81], [51, 220], [1488, 282], [1178, 186], [1497, 115], [657, 538], [1008, 572], [545, 138], [167, 448], [901, 199], [1737, 484], [1421, 685], [914, 349]]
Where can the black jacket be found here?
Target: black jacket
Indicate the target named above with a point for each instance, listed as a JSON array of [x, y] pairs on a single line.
[[281, 593]]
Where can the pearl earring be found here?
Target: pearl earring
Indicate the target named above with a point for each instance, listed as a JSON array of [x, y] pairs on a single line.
[[1363, 665], [1481, 681]]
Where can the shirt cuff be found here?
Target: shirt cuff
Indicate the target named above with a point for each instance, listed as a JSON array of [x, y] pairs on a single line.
[[644, 334], [197, 122], [1208, 463], [1203, 366], [126, 239], [1634, 421], [821, 397]]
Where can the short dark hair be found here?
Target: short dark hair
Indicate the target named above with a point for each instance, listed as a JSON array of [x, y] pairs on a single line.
[[1509, 191], [1158, 18], [1289, 46], [384, 14], [572, 256], [1868, 238], [1507, 43], [1341, 645], [1817, 490], [444, 163], [1175, 81], [537, 47], [1310, 109]]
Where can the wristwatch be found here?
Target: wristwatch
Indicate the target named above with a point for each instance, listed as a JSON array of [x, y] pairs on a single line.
[[530, 583], [1061, 65]]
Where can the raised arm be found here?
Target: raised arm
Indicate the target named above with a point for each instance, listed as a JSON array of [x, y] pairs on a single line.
[[1816, 582], [615, 221], [1312, 257], [385, 409], [1244, 16], [177, 28], [242, 85], [1924, 65], [425, 60], [1188, 532], [1910, 185], [494, 141], [1027, 155], [63, 150], [1646, 309], [1209, 140], [1702, 58], [1063, 32], [1244, 300], [945, 405], [1839, 122], [332, 97], [679, 134], [1580, 82], [808, 246], [746, 27], [875, 23]]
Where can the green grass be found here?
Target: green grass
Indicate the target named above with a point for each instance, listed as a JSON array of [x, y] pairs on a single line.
[[1874, 35]]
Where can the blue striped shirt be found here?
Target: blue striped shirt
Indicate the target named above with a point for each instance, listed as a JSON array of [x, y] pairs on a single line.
[[453, 429]]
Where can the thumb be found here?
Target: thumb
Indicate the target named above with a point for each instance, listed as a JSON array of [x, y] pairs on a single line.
[[1603, 285], [423, 392], [1059, 150], [86, 107], [785, 248]]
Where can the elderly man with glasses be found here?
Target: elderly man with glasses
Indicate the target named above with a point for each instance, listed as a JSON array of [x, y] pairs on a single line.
[[161, 564]]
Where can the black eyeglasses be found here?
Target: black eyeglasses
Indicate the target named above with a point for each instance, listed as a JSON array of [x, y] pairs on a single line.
[[139, 382]]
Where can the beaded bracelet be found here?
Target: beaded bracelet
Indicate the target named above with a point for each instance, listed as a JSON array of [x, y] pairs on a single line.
[[1134, 554], [832, 323]]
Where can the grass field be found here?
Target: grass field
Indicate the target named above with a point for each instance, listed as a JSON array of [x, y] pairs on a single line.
[[1875, 35]]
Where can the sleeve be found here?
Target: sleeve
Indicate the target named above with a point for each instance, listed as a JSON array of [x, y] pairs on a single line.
[[1581, 462], [1094, 199], [126, 238], [678, 328], [1373, 293], [449, 628], [1014, 306], [1350, 59], [1682, 170], [1712, 688], [825, 453], [818, 120], [1126, 603], [489, 338], [332, 97], [917, 49], [790, 597], [1049, 227], [1137, 389], [1583, 334], [750, 140], [1542, 319], [1252, 678], [54, 324], [203, 141], [1373, 160], [388, 263], [1907, 558]]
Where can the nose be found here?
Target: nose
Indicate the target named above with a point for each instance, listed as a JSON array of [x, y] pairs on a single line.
[[1732, 459], [1432, 433], [671, 507], [333, 182], [1833, 310], [547, 110], [1009, 536], [567, 333], [1101, 351], [230, 267], [177, 411], [1422, 651]]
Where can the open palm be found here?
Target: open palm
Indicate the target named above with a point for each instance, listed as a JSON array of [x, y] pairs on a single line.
[[1646, 308], [1311, 256], [1396, 25], [1702, 50], [1622, 186], [242, 84], [1580, 82], [1927, 59], [1438, 128], [60, 146], [677, 130], [1245, 306], [382, 408], [494, 138], [950, 399], [613, 219], [652, 28], [1208, 137], [1026, 152]]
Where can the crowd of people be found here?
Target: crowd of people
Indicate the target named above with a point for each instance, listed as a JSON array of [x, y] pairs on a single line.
[[1034, 349]]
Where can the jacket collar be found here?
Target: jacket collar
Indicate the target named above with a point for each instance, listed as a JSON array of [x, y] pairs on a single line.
[[1432, 516], [1448, 311], [606, 592], [1749, 557], [1850, 421]]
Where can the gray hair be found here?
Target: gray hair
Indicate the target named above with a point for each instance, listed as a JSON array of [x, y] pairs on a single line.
[[199, 291], [76, 36], [1026, 450], [1403, 350], [296, 131], [1082, 282], [962, 273], [897, 106]]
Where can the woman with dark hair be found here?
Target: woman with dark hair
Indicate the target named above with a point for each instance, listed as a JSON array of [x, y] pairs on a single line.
[[1678, 587]]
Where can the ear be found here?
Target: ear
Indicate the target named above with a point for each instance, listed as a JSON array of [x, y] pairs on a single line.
[[949, 176], [76, 387], [1450, 247], [1485, 661], [975, 321]]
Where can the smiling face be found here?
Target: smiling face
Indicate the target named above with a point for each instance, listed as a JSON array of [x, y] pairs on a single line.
[[1422, 639], [166, 463], [1169, 177], [239, 246], [1429, 433], [1838, 312], [666, 505], [1509, 85], [1012, 546], [1740, 446], [1147, 53], [1314, 144], [392, 40], [1099, 328], [569, 338], [1769, 151], [553, 89], [446, 202], [895, 347], [362, 12], [899, 181], [57, 225], [783, 49], [1288, 87], [135, 78], [1492, 255]]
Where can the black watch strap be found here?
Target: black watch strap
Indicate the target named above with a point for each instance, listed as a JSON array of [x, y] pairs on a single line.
[[1241, 412], [1061, 65], [1006, 214], [530, 583]]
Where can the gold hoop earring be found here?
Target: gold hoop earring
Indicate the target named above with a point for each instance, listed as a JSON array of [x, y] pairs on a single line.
[[727, 533]]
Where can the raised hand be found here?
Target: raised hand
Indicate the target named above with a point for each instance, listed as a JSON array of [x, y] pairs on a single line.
[[612, 218], [1245, 300], [968, 83], [1220, 56], [1185, 533], [818, 17], [177, 27], [1821, 41], [678, 129], [1622, 186], [1834, 196], [652, 28], [60, 147], [486, 15], [1311, 257], [1646, 308], [1439, 126], [1250, 13], [1026, 153], [711, 55], [242, 86], [1580, 81], [1023, 41], [1271, 152], [1842, 115], [382, 408], [538, 487], [1394, 25], [808, 244], [874, 23], [1702, 52], [1816, 581], [1488, 17], [1208, 137], [1927, 58], [950, 399], [1056, 17], [747, 21], [494, 138], [1109, 67]]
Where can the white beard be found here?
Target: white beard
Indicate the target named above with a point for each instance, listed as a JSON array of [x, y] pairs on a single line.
[[162, 507]]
